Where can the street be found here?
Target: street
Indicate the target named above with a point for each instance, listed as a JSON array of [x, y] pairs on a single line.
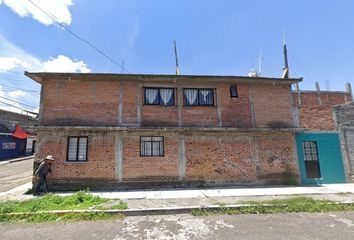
[[335, 225], [15, 174]]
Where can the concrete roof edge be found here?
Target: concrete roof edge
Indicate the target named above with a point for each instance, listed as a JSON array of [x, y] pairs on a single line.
[[38, 76]]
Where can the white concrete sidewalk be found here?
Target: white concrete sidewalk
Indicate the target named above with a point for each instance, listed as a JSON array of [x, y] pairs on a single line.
[[225, 192], [18, 193]]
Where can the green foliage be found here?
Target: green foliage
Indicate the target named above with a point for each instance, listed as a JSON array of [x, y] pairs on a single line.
[[279, 206], [27, 211], [288, 178], [51, 217], [79, 200]]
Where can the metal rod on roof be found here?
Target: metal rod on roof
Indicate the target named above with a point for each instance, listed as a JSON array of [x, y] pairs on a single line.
[[286, 65], [176, 57]]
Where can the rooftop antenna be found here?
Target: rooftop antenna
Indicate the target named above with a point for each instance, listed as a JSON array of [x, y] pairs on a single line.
[[260, 58], [285, 73], [177, 66], [122, 66], [327, 85]]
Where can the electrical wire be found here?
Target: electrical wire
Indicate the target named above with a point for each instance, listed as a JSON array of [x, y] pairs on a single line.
[[11, 105], [53, 17], [16, 88], [17, 102], [17, 80]]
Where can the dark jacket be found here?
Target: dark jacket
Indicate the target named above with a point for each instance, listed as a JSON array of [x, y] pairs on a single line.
[[43, 169]]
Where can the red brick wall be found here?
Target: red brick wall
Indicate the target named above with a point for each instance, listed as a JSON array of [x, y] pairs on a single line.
[[76, 102], [217, 159], [236, 112], [100, 164], [136, 168], [221, 157], [130, 92], [245, 158], [199, 116], [272, 105], [96, 103], [316, 111], [276, 155]]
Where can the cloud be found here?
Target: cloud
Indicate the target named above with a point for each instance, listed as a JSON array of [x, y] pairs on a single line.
[[16, 93], [64, 64], [59, 9], [10, 63], [14, 58]]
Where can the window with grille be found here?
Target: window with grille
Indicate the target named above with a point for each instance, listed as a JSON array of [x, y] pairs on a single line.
[[159, 96], [311, 159], [77, 149], [151, 146], [198, 97]]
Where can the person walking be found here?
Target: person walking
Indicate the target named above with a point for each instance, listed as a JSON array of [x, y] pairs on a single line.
[[41, 173]]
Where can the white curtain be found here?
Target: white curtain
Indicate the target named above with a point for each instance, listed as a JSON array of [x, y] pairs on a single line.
[[147, 149], [82, 149], [155, 148], [72, 149], [205, 93], [166, 95], [191, 95], [150, 95]]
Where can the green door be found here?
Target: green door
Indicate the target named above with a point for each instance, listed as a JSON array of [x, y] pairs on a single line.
[[320, 158]]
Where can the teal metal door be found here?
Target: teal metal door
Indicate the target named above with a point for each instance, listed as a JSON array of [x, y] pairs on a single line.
[[320, 158]]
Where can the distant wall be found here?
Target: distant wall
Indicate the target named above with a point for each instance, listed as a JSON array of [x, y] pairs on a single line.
[[315, 108], [10, 119]]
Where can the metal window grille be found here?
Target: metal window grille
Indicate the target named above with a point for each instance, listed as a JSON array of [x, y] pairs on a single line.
[[77, 149], [311, 159], [151, 146]]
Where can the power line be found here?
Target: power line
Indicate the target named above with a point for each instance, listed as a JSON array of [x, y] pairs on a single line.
[[17, 80], [11, 105], [52, 16], [17, 102], [16, 88]]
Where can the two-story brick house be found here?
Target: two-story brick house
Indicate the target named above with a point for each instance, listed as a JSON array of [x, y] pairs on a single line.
[[118, 130]]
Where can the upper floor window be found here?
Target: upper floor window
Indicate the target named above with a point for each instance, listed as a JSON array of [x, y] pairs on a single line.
[[198, 97], [77, 149], [159, 96], [233, 91]]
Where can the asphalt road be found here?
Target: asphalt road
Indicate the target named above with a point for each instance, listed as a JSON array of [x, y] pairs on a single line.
[[15, 174], [335, 225]]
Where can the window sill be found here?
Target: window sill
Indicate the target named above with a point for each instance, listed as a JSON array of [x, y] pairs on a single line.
[[75, 162]]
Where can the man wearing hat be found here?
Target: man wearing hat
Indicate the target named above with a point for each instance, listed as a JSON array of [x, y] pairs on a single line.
[[42, 171]]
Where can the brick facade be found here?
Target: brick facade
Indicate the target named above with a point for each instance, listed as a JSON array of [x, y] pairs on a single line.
[[208, 158], [248, 139], [316, 108]]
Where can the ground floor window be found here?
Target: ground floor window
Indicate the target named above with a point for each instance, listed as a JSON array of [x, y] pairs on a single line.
[[312, 164], [151, 146], [77, 149]]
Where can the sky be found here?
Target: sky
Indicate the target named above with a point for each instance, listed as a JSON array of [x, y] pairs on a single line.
[[214, 37]]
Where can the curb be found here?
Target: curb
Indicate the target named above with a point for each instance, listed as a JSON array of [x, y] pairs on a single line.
[[16, 160], [162, 211]]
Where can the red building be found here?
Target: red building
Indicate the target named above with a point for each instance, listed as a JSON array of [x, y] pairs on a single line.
[[117, 130]]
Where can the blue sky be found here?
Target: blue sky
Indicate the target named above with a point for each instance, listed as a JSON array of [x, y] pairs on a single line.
[[221, 37]]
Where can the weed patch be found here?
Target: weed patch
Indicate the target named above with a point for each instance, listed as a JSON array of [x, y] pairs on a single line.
[[279, 206]]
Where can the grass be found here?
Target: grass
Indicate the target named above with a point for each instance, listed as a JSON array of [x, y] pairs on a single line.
[[79, 201], [302, 204], [55, 217]]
